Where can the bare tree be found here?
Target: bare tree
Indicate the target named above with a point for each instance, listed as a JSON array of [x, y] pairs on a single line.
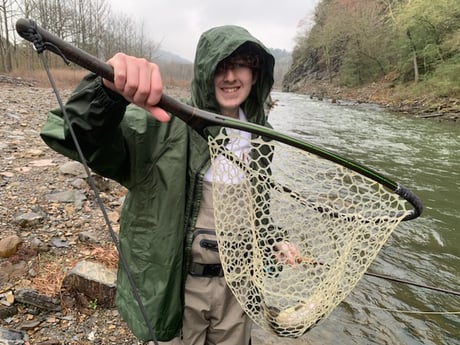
[[5, 42]]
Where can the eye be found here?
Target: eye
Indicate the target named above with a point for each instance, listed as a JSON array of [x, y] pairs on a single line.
[[240, 65], [223, 66]]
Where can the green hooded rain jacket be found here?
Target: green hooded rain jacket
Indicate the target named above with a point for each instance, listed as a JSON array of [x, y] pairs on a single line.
[[162, 166]]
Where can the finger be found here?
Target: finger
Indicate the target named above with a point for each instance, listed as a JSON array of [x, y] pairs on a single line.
[[119, 64], [156, 86], [143, 86], [133, 70], [159, 114]]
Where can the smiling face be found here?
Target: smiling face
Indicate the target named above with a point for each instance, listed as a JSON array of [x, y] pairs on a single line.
[[233, 80]]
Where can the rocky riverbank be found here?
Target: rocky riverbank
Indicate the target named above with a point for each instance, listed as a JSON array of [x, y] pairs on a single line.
[[387, 96], [49, 222]]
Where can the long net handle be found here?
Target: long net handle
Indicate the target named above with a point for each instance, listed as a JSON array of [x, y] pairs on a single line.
[[28, 30]]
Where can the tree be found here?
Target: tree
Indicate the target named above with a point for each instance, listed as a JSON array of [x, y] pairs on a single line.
[[352, 39], [88, 24], [367, 55], [426, 25], [6, 53]]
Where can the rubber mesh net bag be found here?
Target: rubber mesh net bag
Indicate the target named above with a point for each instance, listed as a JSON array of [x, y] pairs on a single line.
[[267, 195]]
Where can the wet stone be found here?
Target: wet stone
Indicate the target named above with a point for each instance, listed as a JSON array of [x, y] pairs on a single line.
[[79, 183], [73, 168], [90, 237], [38, 245], [32, 297], [59, 243], [9, 246], [10, 337], [7, 311], [75, 197], [29, 219], [94, 280], [27, 325], [66, 196]]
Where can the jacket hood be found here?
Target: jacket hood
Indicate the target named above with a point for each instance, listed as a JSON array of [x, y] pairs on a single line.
[[215, 45]]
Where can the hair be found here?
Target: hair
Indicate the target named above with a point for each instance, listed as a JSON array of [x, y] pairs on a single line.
[[248, 52]]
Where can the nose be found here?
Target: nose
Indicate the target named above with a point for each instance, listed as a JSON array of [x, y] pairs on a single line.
[[229, 74]]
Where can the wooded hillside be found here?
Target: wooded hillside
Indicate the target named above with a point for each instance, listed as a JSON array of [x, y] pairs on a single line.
[[398, 42]]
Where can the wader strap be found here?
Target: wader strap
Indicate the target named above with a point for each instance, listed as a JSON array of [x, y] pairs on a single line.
[[206, 270]]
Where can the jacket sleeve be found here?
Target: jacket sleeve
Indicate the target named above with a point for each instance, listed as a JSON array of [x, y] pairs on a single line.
[[95, 114]]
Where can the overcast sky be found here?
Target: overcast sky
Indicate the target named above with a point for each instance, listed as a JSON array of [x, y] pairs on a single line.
[[178, 24]]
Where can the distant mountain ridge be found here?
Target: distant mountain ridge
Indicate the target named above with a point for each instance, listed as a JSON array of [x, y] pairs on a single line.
[[166, 56], [283, 61]]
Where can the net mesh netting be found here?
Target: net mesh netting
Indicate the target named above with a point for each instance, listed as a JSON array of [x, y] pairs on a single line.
[[269, 196]]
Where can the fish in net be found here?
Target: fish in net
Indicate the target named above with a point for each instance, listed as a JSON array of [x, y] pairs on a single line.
[[267, 194]]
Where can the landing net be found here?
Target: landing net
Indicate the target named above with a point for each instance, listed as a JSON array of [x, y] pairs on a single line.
[[268, 195]]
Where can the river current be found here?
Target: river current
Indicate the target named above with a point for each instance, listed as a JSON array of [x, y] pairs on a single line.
[[423, 155]]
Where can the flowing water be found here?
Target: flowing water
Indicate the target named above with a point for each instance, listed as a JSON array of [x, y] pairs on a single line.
[[424, 156]]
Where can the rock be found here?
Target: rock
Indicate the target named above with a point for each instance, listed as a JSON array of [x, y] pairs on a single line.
[[10, 271], [9, 246], [75, 197], [32, 297], [73, 168], [28, 325], [94, 280], [38, 245], [29, 219], [10, 337], [59, 243], [79, 183], [7, 311], [66, 196], [7, 298], [90, 237]]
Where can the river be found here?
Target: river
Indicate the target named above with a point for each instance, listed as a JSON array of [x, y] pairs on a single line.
[[424, 156]]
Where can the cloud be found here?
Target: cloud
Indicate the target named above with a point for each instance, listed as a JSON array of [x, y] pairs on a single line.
[[178, 24]]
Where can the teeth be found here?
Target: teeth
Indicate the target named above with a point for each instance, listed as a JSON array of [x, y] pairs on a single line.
[[233, 89]]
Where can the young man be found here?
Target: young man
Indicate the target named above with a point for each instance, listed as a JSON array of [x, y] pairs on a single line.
[[165, 165]]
